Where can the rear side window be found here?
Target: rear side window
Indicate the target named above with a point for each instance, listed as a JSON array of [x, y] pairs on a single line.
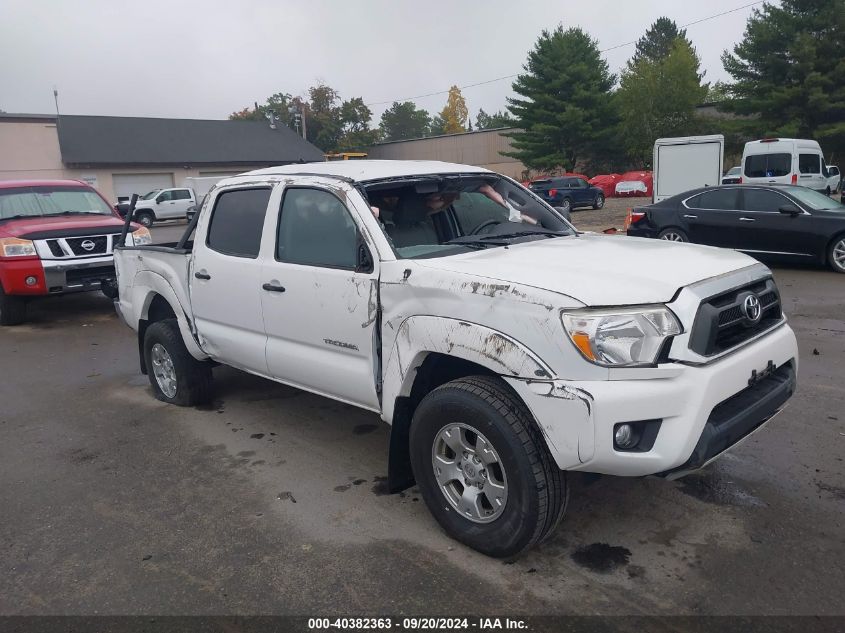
[[181, 194], [237, 220], [763, 200], [719, 199], [315, 229], [809, 164], [768, 165]]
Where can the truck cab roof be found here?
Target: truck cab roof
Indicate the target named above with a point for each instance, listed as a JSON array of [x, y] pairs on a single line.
[[363, 170]]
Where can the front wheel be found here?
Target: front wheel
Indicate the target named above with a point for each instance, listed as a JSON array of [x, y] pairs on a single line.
[[12, 309], [673, 235], [836, 254], [176, 376], [483, 467], [599, 203]]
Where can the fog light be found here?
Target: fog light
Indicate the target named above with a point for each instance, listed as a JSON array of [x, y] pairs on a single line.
[[31, 281], [624, 436]]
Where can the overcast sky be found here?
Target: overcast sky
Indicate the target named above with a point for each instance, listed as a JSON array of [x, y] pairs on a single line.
[[206, 59]]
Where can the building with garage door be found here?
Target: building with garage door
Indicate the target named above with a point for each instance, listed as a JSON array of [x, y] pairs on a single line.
[[125, 155]]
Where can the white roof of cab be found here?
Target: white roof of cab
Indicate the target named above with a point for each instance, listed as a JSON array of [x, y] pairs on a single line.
[[363, 170]]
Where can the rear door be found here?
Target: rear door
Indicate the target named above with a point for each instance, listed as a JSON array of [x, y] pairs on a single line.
[[713, 217], [771, 168], [810, 170], [770, 231], [320, 304], [225, 280]]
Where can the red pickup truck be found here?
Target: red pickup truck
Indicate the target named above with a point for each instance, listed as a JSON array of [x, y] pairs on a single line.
[[56, 237]]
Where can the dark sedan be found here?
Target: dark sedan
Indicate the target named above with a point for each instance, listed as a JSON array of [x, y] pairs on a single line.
[[568, 193], [781, 220]]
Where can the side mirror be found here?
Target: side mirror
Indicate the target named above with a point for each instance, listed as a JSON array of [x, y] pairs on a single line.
[[790, 209], [363, 260]]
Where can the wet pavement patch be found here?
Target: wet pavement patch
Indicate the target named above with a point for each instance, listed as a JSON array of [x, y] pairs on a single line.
[[286, 496], [601, 557], [836, 491], [342, 488], [380, 488], [711, 489], [363, 429], [256, 436]]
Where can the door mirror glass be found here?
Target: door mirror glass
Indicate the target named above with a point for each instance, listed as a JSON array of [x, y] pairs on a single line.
[[789, 209]]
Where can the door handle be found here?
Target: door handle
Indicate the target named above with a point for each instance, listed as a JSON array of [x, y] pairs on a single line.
[[201, 274], [691, 217], [270, 287], [747, 220]]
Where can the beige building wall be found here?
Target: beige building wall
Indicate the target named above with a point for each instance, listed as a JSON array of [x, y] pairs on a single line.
[[29, 149], [483, 149]]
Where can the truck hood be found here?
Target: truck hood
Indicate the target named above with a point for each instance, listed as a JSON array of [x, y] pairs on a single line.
[[598, 270], [25, 226]]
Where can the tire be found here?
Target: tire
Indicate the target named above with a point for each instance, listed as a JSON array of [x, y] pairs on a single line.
[[566, 205], [599, 203], [827, 191], [144, 218], [191, 379], [12, 309], [836, 253], [483, 411], [673, 234]]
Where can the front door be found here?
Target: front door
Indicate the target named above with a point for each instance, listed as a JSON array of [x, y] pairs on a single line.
[[226, 280], [320, 305], [770, 231]]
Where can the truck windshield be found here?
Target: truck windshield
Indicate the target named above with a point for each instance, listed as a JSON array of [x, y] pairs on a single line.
[[445, 215], [22, 202], [151, 194]]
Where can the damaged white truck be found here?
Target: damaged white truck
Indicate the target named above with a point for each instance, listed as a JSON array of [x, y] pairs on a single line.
[[504, 347]]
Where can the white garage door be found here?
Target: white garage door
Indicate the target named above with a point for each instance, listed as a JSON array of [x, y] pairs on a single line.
[[127, 184]]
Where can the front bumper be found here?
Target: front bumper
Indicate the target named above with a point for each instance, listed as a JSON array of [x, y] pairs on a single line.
[[67, 276], [703, 409]]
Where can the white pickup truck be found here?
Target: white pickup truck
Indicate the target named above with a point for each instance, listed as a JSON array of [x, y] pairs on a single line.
[[503, 347], [164, 204]]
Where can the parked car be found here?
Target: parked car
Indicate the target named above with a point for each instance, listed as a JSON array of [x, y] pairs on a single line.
[[164, 204], [784, 161], [783, 220], [568, 193], [733, 176], [834, 179], [504, 347], [56, 237]]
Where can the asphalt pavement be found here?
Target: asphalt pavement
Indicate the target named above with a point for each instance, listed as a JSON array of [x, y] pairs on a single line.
[[271, 501]]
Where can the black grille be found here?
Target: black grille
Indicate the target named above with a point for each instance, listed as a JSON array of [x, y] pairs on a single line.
[[100, 244], [55, 248], [721, 325]]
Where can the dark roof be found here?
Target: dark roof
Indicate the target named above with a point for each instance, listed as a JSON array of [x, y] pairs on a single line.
[[105, 140]]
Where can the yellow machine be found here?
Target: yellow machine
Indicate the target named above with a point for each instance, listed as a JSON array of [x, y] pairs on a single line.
[[346, 156]]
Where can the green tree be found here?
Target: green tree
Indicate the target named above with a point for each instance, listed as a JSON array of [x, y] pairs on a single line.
[[438, 125], [657, 98], [564, 108], [484, 121], [279, 104], [403, 121], [455, 113], [789, 72], [355, 119], [658, 41]]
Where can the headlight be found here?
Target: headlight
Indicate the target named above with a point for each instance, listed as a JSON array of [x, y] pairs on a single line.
[[14, 247], [622, 337], [141, 236]]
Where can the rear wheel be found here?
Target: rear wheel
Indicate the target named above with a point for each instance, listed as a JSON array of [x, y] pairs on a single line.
[[566, 205], [673, 235], [175, 375], [12, 309], [144, 218], [599, 203], [483, 467], [836, 254]]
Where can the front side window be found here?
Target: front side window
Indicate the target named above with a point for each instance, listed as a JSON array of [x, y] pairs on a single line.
[[165, 196], [809, 164], [763, 200], [315, 229], [768, 165], [237, 222], [718, 199], [41, 201]]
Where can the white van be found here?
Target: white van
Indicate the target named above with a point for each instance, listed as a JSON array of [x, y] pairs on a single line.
[[787, 161]]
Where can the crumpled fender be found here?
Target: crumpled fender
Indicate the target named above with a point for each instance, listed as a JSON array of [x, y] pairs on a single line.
[[146, 286], [419, 336]]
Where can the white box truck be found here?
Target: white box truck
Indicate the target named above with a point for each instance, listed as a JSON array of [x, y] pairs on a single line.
[[687, 162]]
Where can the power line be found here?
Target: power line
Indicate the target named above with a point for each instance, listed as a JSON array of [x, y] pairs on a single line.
[[612, 48]]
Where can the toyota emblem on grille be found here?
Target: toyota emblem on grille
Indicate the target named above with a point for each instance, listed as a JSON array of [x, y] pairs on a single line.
[[88, 245], [751, 308]]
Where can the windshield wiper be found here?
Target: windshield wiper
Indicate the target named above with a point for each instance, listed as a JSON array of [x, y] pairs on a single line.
[[473, 240], [16, 217], [73, 212], [545, 232]]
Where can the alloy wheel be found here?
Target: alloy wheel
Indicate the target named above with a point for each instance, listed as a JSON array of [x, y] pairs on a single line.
[[672, 237], [163, 370], [469, 472], [839, 254]]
